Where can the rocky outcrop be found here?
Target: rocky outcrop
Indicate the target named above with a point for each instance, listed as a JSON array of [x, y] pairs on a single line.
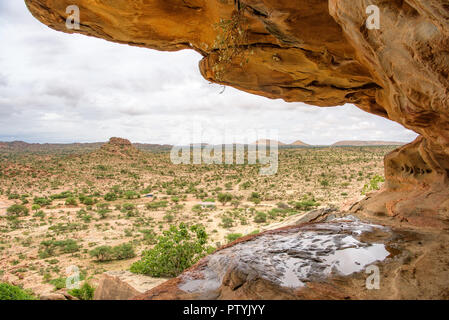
[[124, 285], [119, 147], [338, 259], [319, 52]]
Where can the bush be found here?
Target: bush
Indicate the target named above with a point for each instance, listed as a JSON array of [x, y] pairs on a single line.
[[108, 253], [131, 195], [233, 236], [42, 201], [49, 248], [255, 197], [260, 217], [373, 184], [111, 196], [17, 210], [177, 249], [86, 292], [306, 205], [156, 205], [227, 222], [62, 195], [71, 202], [224, 197], [39, 214], [10, 292], [102, 253], [123, 251], [128, 207], [88, 201]]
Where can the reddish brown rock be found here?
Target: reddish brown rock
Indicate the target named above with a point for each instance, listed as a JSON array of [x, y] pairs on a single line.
[[318, 52], [123, 285], [330, 260], [119, 147]]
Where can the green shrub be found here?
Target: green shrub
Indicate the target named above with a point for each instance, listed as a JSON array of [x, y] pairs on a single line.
[[39, 214], [197, 208], [17, 210], [62, 195], [87, 201], [177, 249], [110, 196], [156, 205], [108, 253], [149, 237], [131, 195], [224, 197], [306, 205], [255, 197], [59, 283], [260, 217], [373, 184], [71, 202], [50, 248], [123, 251], [86, 292], [128, 206], [42, 201], [10, 292], [233, 236], [227, 222], [102, 253]]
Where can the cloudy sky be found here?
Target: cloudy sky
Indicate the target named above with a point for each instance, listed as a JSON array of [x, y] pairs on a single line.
[[62, 88]]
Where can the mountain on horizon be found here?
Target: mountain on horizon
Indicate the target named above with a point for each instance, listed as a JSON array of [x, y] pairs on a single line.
[[299, 143], [268, 142], [359, 143]]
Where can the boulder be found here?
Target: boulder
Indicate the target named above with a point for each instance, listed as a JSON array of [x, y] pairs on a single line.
[[124, 285]]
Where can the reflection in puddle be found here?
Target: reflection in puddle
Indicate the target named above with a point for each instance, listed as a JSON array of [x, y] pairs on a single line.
[[292, 257]]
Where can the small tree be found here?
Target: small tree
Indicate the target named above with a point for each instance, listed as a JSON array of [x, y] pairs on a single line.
[[10, 292], [17, 210], [35, 207], [123, 251], [102, 253], [71, 202], [260, 217], [255, 197], [111, 196], [177, 249], [86, 292], [224, 197]]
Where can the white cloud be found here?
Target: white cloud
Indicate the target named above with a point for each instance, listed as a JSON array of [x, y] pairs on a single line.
[[56, 87]]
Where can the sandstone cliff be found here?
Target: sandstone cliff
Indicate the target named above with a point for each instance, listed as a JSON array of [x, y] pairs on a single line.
[[319, 52], [314, 51]]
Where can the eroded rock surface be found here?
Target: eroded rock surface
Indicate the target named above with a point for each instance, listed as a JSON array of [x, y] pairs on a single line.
[[329, 260], [315, 51], [319, 52], [124, 285]]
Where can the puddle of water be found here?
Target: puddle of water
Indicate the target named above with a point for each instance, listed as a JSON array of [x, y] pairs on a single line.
[[293, 257], [351, 260]]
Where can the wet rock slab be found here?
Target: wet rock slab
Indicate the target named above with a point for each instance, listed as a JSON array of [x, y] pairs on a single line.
[[288, 259]]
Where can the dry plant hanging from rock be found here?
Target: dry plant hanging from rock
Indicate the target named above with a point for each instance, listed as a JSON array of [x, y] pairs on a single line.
[[231, 43]]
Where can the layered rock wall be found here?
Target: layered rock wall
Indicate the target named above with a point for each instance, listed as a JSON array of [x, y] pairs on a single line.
[[315, 51]]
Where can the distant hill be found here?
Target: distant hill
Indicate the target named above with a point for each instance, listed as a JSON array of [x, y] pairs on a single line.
[[268, 142], [299, 143], [357, 143], [70, 148]]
